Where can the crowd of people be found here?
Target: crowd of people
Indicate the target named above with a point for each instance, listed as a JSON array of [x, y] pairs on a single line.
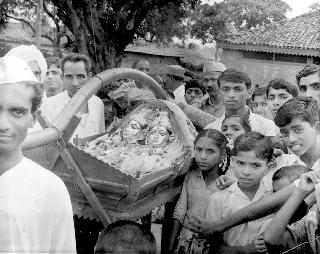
[[253, 186]]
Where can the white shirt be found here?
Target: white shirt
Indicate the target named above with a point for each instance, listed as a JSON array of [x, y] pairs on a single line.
[[179, 94], [230, 200], [91, 123], [35, 211], [258, 123]]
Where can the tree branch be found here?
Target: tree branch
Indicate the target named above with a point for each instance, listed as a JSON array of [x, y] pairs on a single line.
[[22, 20], [55, 20]]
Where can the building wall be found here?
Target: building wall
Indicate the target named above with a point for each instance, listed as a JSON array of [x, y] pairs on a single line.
[[157, 63], [261, 71]]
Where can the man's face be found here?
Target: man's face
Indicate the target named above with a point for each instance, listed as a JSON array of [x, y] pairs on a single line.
[[53, 82], [35, 69], [193, 94], [211, 84], [276, 98], [233, 95], [109, 110], [260, 105], [15, 115], [143, 66], [74, 76], [310, 86], [299, 136]]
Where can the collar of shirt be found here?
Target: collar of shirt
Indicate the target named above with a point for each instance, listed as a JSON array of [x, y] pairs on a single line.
[[259, 194], [198, 173]]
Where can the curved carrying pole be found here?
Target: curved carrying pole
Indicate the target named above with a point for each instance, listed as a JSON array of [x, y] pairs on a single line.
[[51, 134]]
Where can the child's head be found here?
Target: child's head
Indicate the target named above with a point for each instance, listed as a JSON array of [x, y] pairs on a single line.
[[194, 90], [252, 154], [287, 175], [259, 101], [298, 120], [278, 92], [126, 237], [284, 177], [234, 126], [209, 149]]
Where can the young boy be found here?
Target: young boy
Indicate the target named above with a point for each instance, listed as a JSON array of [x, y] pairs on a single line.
[[259, 102], [235, 90], [126, 237], [301, 236], [279, 91], [298, 120], [252, 154], [35, 210], [195, 92]]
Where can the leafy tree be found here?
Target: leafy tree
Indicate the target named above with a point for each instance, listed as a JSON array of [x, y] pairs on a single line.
[[103, 28], [234, 15]]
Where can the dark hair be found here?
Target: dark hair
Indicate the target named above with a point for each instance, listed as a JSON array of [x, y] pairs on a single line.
[[125, 236], [134, 65], [261, 91], [292, 173], [254, 141], [303, 108], [282, 84], [38, 95], [306, 71], [232, 75], [244, 121], [54, 60], [195, 83], [75, 57]]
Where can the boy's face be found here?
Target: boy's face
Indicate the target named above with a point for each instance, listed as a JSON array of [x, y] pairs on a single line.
[[276, 98], [249, 169], [310, 86], [193, 94], [15, 115], [233, 95], [53, 80], [299, 136], [260, 105]]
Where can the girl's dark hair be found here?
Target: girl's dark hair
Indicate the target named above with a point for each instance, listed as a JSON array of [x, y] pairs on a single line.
[[219, 140], [254, 141], [126, 236], [244, 121]]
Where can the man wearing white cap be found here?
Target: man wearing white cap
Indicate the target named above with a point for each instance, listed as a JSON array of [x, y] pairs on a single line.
[[175, 82], [76, 71], [35, 210]]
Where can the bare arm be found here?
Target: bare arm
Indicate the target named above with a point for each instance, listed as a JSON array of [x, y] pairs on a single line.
[[277, 226]]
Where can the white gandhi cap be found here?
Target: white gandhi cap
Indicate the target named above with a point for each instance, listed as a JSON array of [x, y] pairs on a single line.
[[15, 70]]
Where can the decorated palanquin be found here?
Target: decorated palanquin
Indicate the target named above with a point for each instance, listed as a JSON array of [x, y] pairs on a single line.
[[132, 168], [125, 173]]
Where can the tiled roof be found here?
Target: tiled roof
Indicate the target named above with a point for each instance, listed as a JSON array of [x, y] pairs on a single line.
[[301, 33]]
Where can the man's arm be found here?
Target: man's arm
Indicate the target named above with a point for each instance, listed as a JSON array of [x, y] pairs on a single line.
[[197, 116], [274, 232]]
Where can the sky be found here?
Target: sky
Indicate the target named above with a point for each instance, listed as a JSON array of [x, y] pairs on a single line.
[[298, 6]]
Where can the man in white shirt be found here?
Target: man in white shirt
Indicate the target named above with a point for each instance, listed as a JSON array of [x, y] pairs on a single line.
[[76, 71], [235, 90], [35, 210], [175, 82]]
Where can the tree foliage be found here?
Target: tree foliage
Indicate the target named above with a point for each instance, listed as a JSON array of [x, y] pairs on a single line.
[[234, 15], [103, 28]]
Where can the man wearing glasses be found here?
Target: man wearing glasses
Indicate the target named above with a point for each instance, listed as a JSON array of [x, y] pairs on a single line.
[[211, 72]]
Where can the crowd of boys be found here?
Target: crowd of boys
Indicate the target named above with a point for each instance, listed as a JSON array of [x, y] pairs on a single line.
[[271, 206]]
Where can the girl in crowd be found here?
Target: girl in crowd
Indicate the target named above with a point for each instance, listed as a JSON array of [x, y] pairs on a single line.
[[199, 184]]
